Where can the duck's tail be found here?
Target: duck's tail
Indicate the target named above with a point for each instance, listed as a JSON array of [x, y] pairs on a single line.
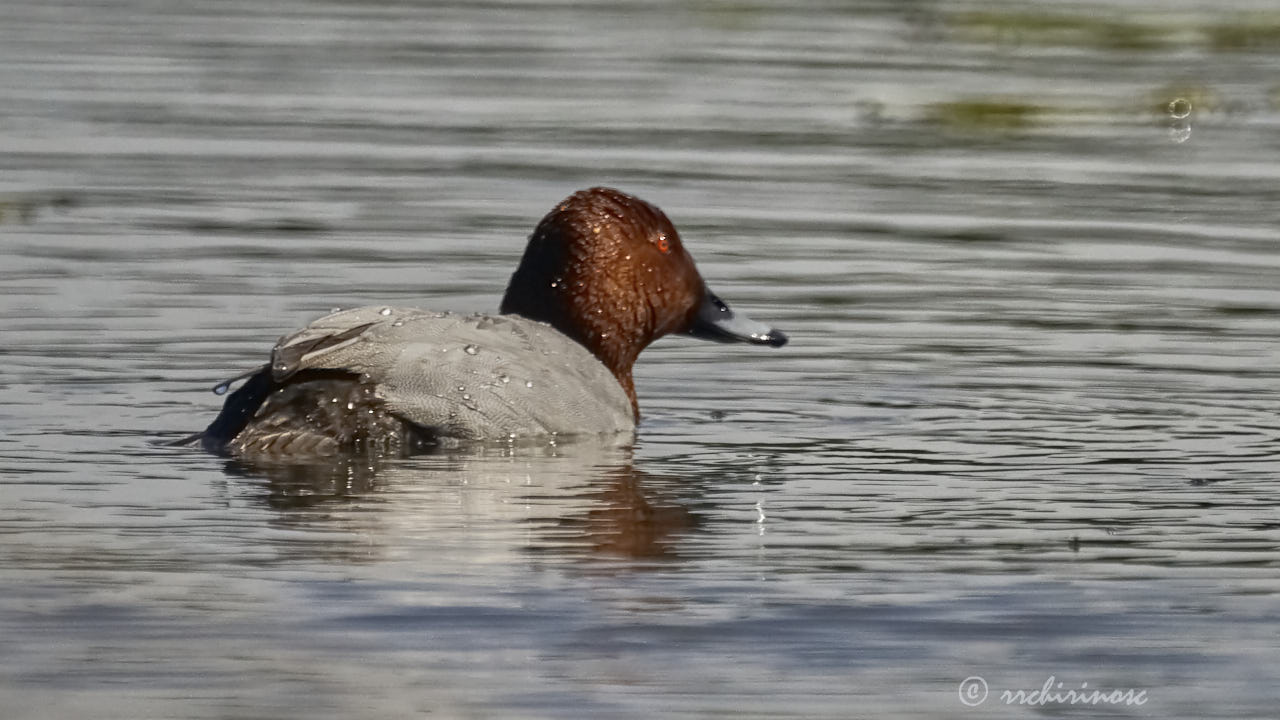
[[236, 412]]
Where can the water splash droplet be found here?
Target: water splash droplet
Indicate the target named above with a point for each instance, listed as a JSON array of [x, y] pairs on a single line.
[[222, 387], [1179, 110]]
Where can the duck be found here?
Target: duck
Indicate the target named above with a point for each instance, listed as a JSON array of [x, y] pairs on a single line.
[[604, 274]]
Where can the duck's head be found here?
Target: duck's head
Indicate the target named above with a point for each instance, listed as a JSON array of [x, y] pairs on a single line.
[[610, 271]]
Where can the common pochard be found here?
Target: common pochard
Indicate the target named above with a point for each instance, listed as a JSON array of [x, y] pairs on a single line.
[[604, 274]]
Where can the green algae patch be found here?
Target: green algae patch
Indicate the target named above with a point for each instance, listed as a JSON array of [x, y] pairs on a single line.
[[1047, 29], [991, 115], [1140, 32], [1247, 34]]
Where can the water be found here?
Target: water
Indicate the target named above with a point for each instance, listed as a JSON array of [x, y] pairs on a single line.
[[1026, 427]]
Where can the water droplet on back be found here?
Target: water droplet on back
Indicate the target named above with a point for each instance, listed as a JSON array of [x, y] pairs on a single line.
[[385, 311], [471, 349], [528, 383], [504, 379]]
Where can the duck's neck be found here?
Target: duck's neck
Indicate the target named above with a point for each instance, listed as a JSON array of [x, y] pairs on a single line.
[[607, 346]]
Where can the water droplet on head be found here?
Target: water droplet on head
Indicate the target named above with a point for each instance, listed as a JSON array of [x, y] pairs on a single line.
[[335, 310], [471, 349]]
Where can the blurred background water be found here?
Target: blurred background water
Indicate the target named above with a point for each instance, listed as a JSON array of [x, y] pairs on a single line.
[[1026, 428]]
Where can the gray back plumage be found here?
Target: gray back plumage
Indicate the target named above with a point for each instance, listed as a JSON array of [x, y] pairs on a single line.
[[478, 377]]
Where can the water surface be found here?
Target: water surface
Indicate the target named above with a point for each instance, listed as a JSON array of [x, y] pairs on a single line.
[[1026, 427]]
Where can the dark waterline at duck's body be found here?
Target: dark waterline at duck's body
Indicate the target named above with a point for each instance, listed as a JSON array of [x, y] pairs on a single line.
[[604, 275]]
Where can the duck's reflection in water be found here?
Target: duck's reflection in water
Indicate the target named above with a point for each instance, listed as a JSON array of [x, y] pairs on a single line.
[[628, 514], [304, 485], [573, 499]]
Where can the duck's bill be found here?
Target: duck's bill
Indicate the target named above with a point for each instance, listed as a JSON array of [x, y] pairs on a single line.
[[715, 321]]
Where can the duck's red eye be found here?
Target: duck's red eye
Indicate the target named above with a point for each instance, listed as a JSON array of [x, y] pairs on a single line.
[[664, 245]]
